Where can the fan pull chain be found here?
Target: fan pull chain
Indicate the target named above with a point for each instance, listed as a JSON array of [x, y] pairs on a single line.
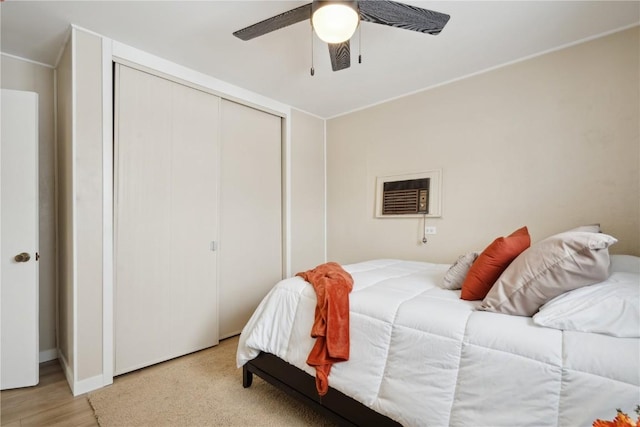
[[359, 42], [313, 71]]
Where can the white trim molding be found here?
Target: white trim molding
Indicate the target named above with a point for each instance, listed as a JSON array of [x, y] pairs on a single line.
[[68, 373], [20, 58], [107, 213], [131, 56], [74, 215], [286, 196], [87, 385], [47, 355]]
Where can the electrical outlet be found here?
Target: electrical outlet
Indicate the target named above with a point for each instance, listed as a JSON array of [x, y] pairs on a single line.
[[430, 230]]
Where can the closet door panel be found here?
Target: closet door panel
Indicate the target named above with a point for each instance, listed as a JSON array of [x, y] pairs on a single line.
[[195, 210], [143, 291], [166, 217], [251, 212]]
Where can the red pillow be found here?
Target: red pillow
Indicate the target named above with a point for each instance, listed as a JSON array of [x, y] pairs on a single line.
[[492, 262]]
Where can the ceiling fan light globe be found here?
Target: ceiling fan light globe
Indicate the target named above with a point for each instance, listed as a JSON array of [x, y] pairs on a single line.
[[335, 23]]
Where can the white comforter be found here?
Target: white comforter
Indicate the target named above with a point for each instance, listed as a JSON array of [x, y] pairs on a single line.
[[422, 356]]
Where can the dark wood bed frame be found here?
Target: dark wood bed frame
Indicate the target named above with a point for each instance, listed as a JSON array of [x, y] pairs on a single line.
[[335, 405]]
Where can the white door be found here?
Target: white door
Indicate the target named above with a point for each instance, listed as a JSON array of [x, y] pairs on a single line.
[[166, 204], [19, 285]]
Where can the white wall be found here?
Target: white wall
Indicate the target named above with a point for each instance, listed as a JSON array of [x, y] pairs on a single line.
[[24, 75], [551, 143]]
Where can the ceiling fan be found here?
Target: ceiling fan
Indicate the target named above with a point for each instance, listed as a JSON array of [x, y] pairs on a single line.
[[335, 22]]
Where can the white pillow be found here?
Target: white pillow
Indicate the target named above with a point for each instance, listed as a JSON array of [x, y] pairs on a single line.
[[611, 307], [591, 228], [454, 277], [625, 263]]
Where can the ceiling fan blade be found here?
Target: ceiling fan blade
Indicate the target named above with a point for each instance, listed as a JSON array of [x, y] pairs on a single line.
[[285, 19], [402, 15], [340, 54]]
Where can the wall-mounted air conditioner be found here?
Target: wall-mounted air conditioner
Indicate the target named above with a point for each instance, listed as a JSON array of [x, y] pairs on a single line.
[[409, 195]]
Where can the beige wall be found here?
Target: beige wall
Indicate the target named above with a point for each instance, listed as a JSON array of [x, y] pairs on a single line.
[[28, 76], [88, 202], [551, 143], [65, 206], [80, 205], [307, 191]]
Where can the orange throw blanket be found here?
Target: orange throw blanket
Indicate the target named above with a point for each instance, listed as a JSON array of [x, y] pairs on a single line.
[[331, 325]]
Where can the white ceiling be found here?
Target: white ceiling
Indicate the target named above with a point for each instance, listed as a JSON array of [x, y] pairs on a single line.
[[480, 35]]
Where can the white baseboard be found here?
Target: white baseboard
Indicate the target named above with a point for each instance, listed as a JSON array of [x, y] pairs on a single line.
[[229, 335], [68, 373], [47, 355], [90, 384], [82, 386]]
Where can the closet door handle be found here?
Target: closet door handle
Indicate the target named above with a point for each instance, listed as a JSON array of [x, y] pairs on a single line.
[[23, 257]]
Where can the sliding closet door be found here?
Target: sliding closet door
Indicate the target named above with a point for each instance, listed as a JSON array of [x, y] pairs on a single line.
[[251, 212], [165, 219]]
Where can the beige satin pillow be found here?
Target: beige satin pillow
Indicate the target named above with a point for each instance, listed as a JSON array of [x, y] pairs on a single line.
[[592, 228], [454, 277], [551, 267]]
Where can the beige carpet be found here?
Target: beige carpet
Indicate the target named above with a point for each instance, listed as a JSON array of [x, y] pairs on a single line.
[[201, 389]]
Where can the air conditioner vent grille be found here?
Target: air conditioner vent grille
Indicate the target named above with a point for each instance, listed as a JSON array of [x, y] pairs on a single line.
[[400, 202], [405, 197], [410, 195]]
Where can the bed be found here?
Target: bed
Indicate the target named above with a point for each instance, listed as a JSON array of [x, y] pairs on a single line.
[[420, 355]]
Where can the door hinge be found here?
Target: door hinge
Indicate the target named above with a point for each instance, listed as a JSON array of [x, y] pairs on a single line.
[[213, 246]]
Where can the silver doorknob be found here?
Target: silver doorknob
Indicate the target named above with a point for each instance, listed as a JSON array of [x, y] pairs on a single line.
[[23, 257]]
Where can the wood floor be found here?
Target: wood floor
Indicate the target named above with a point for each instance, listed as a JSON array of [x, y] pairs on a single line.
[[50, 403]]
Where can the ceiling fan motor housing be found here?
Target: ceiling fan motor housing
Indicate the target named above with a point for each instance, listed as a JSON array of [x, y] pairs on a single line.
[[317, 4], [334, 21]]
